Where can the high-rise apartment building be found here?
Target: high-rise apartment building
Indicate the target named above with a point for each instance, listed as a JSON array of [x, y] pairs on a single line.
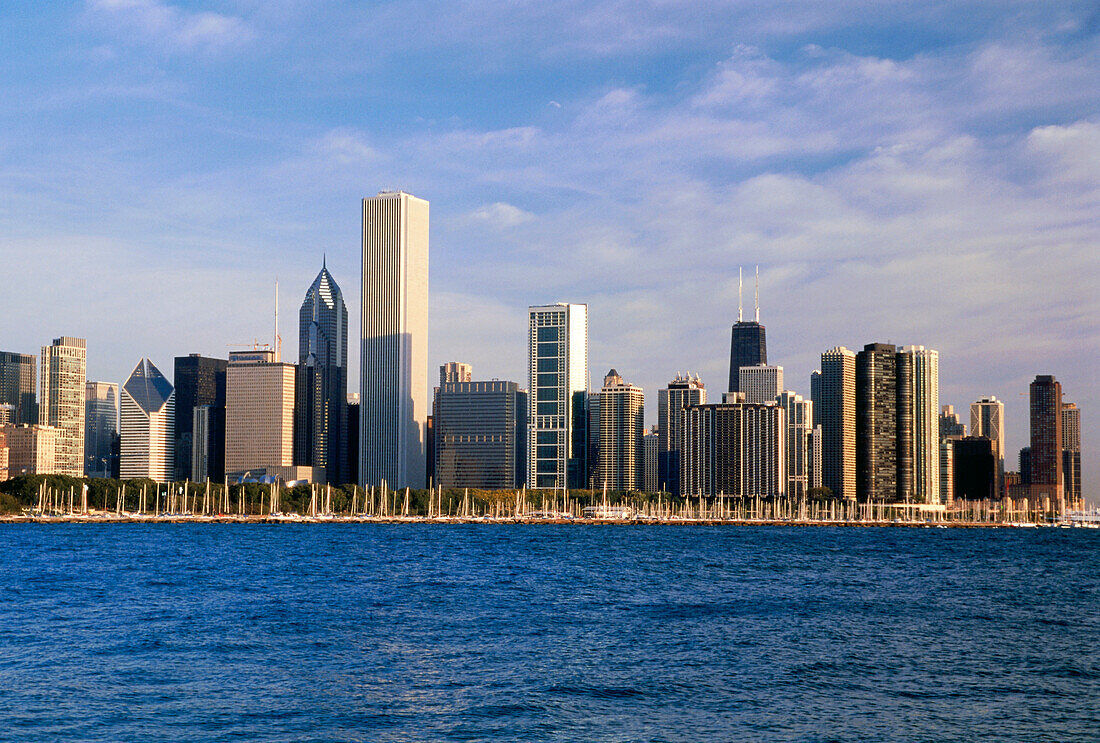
[[650, 447], [31, 449], [761, 383], [622, 425], [919, 389], [480, 432], [61, 405], [837, 403], [1071, 454], [148, 406], [17, 386], [682, 392], [455, 371], [557, 444], [987, 417], [100, 427], [199, 382], [393, 408], [1046, 440], [748, 343], [950, 424], [322, 393], [733, 449], [259, 413], [815, 395], [798, 413], [877, 422]]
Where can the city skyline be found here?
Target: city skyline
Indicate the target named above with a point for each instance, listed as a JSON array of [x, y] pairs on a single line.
[[869, 175]]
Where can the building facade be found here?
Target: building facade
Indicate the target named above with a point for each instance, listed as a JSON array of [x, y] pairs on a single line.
[[199, 382], [259, 412], [32, 450], [736, 450], [557, 443], [1046, 441], [974, 468], [650, 447], [148, 407], [18, 386], [877, 423], [622, 426], [1071, 454], [919, 390], [987, 418], [798, 413], [761, 383], [480, 433], [682, 392], [62, 402], [393, 407], [455, 371], [100, 427], [321, 408], [837, 413]]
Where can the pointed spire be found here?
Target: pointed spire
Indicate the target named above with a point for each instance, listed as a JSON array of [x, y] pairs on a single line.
[[739, 313], [324, 261], [758, 294]]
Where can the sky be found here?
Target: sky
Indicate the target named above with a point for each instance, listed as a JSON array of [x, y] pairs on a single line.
[[905, 172]]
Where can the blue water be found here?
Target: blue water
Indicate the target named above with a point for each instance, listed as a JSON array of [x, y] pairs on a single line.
[[516, 633]]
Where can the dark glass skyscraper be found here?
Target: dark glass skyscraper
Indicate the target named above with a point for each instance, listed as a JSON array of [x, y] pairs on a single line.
[[199, 381], [17, 386], [748, 346], [320, 431], [1046, 438], [877, 422]]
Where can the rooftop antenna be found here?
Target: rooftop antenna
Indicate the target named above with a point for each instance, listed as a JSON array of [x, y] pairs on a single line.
[[278, 341], [738, 294], [758, 295]]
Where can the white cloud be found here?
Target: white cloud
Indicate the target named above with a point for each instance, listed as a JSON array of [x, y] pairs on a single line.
[[501, 215], [158, 22]]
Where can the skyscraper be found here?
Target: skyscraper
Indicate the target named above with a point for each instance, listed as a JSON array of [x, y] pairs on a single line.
[[682, 392], [748, 345], [557, 444], [199, 382], [455, 371], [62, 401], [838, 421], [877, 422], [951, 429], [799, 418], [987, 417], [761, 383], [650, 444], [733, 449], [17, 386], [321, 427], [1046, 440], [148, 425], [1071, 453], [622, 425], [259, 414], [480, 435], [974, 468], [100, 427], [815, 395], [920, 385], [393, 407]]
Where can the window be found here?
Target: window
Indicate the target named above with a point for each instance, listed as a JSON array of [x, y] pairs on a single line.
[[547, 437], [546, 465], [548, 380], [546, 394], [548, 349], [547, 408], [548, 334], [548, 452], [548, 365]]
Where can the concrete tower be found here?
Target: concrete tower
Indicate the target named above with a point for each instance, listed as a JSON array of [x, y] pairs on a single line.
[[62, 402]]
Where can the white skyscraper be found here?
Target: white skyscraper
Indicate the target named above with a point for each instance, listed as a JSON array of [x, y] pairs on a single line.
[[923, 380], [61, 403], [761, 383], [393, 407], [148, 425], [987, 418], [557, 444]]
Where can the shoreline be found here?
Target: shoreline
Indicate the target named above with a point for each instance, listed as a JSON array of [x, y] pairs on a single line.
[[452, 520]]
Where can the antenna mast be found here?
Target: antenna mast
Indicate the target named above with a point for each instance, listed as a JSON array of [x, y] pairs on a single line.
[[278, 343], [758, 294], [739, 294]]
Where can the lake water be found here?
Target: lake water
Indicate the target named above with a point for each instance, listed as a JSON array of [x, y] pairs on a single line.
[[547, 633]]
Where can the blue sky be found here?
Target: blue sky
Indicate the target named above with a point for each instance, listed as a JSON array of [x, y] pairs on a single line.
[[922, 173]]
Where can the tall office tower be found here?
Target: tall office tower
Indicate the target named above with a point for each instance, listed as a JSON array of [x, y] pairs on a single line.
[[100, 427], [557, 443], [32, 450], [199, 382], [480, 435], [951, 426], [593, 451], [650, 444], [321, 427], [455, 371], [352, 444], [919, 393], [975, 468], [622, 425], [799, 416], [202, 435], [17, 386], [761, 383], [1046, 440], [62, 401], [1025, 467], [748, 345], [947, 471], [816, 458], [148, 425], [1071, 453], [733, 449], [838, 422], [877, 423], [259, 414], [393, 383], [815, 395], [987, 417], [682, 392]]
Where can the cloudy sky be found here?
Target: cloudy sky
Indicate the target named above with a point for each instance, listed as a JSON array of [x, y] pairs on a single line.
[[924, 172]]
